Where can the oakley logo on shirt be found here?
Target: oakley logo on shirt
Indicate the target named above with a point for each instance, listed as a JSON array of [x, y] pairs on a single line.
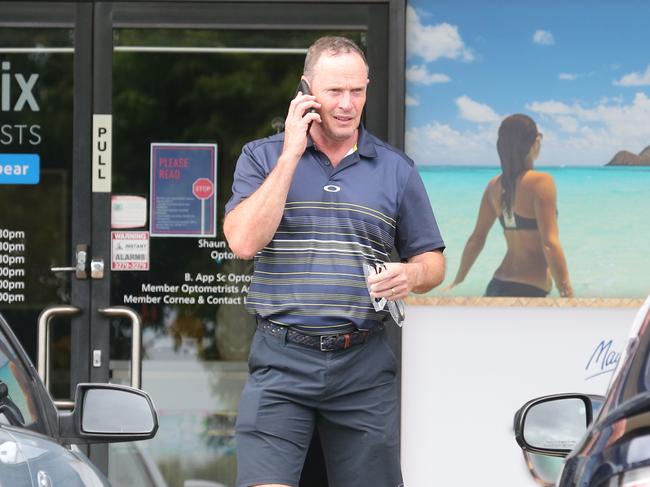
[[331, 188]]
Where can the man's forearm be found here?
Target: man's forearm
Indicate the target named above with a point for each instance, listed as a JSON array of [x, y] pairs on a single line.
[[252, 224], [428, 271]]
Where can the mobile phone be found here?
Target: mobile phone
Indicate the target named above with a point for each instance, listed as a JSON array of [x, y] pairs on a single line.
[[303, 87]]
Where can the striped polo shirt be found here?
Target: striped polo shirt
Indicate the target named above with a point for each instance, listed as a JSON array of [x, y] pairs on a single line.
[[310, 275]]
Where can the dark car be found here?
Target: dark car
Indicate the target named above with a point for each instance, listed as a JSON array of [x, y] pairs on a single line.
[[609, 448], [38, 444]]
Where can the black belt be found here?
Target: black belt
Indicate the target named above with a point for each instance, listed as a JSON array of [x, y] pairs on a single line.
[[324, 343]]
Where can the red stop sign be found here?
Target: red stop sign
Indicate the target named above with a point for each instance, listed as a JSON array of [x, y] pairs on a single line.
[[202, 188]]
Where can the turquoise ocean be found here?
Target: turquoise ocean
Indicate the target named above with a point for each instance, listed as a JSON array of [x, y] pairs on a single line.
[[604, 221]]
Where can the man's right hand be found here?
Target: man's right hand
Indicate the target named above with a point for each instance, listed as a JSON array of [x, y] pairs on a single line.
[[253, 222], [297, 123]]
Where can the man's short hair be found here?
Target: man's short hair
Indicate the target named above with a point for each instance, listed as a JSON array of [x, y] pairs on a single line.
[[333, 46]]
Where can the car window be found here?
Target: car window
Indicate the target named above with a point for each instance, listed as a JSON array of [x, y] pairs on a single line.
[[544, 469], [17, 396]]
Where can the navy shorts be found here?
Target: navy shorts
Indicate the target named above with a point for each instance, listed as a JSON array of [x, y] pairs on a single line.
[[349, 395]]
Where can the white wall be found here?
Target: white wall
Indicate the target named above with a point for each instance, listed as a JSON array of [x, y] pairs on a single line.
[[466, 370]]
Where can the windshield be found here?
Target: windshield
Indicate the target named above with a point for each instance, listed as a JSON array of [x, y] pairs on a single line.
[[625, 382]]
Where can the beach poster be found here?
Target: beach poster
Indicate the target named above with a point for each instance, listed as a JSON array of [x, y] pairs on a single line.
[[584, 78]]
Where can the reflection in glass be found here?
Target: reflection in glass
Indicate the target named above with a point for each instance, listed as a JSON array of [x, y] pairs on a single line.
[[113, 411], [557, 424], [17, 404], [544, 469], [36, 218]]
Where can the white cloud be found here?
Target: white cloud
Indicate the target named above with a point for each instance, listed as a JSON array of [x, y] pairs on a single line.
[[432, 42], [420, 74], [474, 111], [574, 134], [627, 122], [411, 102], [567, 124], [438, 143], [611, 100], [635, 79], [543, 37], [567, 76], [550, 107]]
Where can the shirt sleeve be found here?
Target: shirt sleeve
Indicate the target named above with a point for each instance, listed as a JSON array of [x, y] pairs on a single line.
[[417, 229], [249, 175]]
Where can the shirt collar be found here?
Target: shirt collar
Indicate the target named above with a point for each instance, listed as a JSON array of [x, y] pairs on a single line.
[[365, 145]]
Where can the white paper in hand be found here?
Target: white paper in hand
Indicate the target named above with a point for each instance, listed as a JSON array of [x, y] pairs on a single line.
[[377, 303]]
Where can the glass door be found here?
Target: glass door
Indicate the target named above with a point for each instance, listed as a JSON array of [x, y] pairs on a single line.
[[44, 216]]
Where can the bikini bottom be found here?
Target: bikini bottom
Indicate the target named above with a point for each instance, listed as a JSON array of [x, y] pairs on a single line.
[[498, 287]]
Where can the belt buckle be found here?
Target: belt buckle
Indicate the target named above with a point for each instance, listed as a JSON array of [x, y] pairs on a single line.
[[323, 346]]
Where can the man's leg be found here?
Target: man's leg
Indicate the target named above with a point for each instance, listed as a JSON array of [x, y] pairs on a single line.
[[274, 426], [359, 423]]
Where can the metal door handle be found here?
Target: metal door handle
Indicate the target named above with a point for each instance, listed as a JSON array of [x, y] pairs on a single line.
[[44, 319], [80, 269], [97, 268], [136, 341]]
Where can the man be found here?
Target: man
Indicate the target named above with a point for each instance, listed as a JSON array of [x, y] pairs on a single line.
[[312, 205]]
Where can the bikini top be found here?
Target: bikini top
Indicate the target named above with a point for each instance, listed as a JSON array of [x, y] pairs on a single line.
[[513, 221]]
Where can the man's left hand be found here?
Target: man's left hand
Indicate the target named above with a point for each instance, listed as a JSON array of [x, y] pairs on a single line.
[[392, 283], [420, 274]]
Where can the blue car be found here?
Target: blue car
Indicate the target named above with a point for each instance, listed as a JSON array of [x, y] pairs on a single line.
[[606, 448], [38, 443]]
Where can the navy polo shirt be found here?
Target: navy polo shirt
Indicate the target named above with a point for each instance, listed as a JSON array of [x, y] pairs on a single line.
[[310, 275]]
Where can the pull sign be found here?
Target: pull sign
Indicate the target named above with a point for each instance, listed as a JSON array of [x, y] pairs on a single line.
[[102, 153]]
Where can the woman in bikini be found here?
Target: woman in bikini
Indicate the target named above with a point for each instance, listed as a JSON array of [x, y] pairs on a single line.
[[524, 201]]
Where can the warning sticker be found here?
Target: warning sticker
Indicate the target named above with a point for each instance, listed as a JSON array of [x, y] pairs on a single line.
[[129, 251]]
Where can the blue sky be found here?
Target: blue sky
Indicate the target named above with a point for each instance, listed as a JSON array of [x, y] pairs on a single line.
[[581, 69]]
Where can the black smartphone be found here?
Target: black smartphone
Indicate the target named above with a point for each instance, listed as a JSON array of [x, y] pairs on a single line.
[[303, 87]]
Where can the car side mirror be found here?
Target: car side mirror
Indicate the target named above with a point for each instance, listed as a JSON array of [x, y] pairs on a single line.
[[553, 425], [108, 413]]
